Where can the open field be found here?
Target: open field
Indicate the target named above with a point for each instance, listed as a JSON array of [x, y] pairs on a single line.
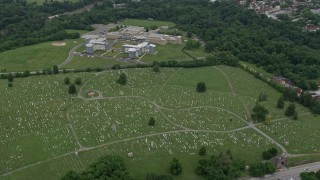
[[36, 57], [166, 53], [146, 23], [83, 62], [42, 126]]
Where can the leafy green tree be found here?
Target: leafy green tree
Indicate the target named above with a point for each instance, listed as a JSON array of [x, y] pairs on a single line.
[[260, 169], [308, 176], [175, 167], [10, 84], [295, 116], [270, 153], [318, 174], [270, 167], [290, 94], [290, 110], [263, 97], [203, 151], [78, 81], [267, 121], [221, 166], [55, 69], [280, 103], [151, 176], [122, 79], [72, 89], [10, 77], [259, 113], [189, 34], [201, 87], [209, 47], [67, 80], [156, 68], [26, 73], [107, 167], [192, 44], [152, 121], [313, 85], [71, 175]]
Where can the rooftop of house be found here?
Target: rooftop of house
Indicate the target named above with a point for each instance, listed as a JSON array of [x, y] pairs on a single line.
[[311, 27]]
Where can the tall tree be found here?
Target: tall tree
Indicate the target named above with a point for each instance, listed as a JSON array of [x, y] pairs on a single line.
[[259, 113], [201, 87], [122, 79], [10, 77], [55, 69], [175, 167], [67, 80], [290, 110], [72, 89], [280, 103]]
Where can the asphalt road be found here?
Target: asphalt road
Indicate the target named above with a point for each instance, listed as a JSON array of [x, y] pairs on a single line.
[[293, 172]]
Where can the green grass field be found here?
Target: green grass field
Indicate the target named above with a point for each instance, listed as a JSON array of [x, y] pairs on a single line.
[[146, 23], [42, 126], [36, 57], [166, 53]]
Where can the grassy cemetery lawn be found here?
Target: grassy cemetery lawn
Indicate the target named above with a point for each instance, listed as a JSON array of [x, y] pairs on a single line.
[[147, 23], [301, 135], [36, 57], [42, 127]]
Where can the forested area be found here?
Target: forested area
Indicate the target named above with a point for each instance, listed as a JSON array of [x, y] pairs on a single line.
[[24, 24], [280, 47]]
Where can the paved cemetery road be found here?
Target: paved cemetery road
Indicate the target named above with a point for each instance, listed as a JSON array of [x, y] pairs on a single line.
[[293, 172], [70, 56]]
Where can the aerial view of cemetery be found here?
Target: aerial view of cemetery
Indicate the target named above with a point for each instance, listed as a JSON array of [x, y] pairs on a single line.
[[116, 90]]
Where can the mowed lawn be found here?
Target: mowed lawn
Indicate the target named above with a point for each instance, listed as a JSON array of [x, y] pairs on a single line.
[[167, 52], [36, 57], [37, 113], [147, 23]]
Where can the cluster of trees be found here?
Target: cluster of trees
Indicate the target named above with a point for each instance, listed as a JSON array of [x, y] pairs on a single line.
[[152, 176], [72, 86], [192, 44], [310, 175], [175, 167], [221, 166], [23, 23], [270, 153], [230, 30], [259, 112], [280, 47], [260, 169], [107, 167], [305, 99]]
